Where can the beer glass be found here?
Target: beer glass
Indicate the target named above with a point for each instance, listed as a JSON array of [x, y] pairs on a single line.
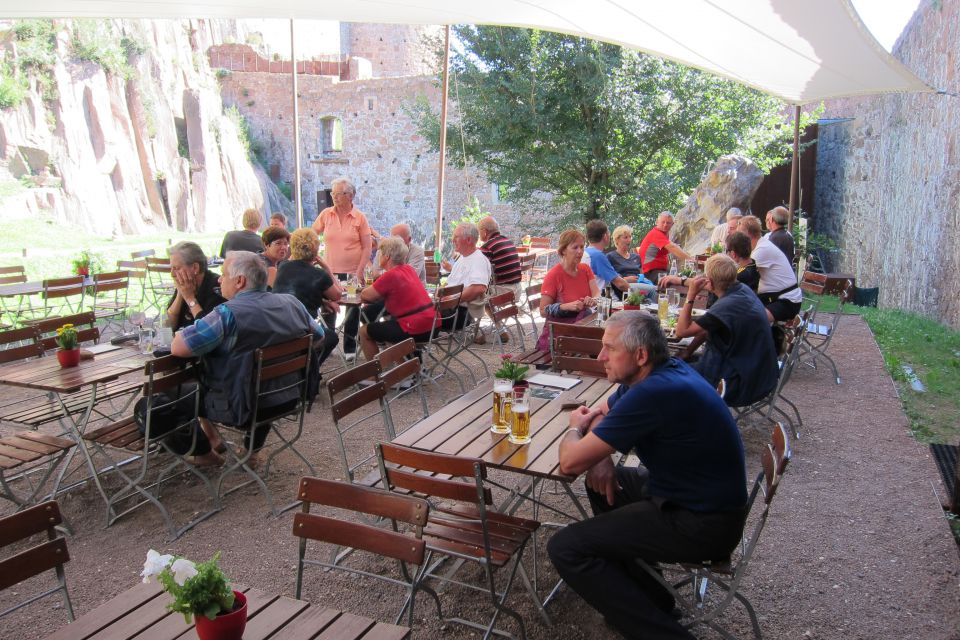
[[673, 298], [146, 340], [502, 390], [520, 426], [352, 286], [663, 307]]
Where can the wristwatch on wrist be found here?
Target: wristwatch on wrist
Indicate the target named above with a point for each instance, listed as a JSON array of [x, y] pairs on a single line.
[[690, 302], [191, 303], [683, 281]]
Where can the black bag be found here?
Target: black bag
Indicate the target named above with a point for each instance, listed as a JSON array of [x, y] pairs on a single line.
[[167, 415]]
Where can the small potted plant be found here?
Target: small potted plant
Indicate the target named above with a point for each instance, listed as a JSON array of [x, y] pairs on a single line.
[[202, 592], [69, 353], [513, 371], [634, 300], [81, 264]]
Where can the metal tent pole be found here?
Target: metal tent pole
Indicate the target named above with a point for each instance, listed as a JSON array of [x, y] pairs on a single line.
[[297, 193], [443, 136], [794, 168]]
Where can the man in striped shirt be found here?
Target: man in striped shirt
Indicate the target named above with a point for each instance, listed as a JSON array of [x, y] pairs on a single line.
[[503, 257]]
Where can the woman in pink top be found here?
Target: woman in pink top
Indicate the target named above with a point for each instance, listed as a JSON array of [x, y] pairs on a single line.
[[569, 289], [345, 230]]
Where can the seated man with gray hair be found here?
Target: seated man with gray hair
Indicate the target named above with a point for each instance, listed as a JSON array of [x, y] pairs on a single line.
[[721, 231], [685, 503], [781, 238], [415, 257], [227, 337]]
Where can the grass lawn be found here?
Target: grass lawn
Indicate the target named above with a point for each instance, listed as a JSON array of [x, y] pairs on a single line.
[[932, 351]]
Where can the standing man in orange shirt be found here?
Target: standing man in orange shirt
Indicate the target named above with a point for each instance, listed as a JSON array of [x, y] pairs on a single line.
[[346, 235]]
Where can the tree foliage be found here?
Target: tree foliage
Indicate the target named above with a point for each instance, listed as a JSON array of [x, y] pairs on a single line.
[[583, 129]]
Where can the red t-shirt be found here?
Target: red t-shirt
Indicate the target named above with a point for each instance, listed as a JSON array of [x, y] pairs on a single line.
[[653, 250], [562, 288], [403, 292]]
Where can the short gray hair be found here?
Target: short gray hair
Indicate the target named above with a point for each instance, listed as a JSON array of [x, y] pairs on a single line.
[[190, 253], [469, 231], [664, 214], [401, 230], [780, 216], [489, 225], [250, 266], [346, 182], [733, 213], [641, 329], [394, 248]]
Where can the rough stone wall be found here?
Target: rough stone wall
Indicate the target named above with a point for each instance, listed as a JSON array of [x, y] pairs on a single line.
[[391, 164], [394, 49], [888, 176]]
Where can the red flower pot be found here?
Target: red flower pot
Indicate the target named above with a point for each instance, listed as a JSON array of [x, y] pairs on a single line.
[[632, 307], [522, 384], [68, 357], [226, 626]]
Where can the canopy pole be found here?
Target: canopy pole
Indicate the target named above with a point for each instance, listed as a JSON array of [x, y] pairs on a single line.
[[794, 168], [297, 193], [443, 136]]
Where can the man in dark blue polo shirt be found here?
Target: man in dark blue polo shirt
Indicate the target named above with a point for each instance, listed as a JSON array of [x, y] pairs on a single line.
[[686, 501]]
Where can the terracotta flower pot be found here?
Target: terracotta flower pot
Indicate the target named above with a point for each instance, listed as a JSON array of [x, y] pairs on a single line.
[[522, 384], [631, 307], [68, 357], [226, 626]]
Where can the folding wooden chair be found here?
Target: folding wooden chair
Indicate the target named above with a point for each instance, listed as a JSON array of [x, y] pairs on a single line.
[[559, 330], [363, 388], [686, 581], [463, 527], [11, 275], [406, 547], [34, 560], [279, 370], [531, 306], [578, 355], [432, 270], [401, 371], [501, 309], [818, 336], [171, 384], [159, 287], [110, 298], [58, 295], [438, 347], [26, 454]]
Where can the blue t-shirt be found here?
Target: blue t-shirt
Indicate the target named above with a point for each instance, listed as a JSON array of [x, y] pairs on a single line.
[[684, 435], [602, 269]]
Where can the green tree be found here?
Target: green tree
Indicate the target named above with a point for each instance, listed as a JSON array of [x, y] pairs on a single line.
[[607, 132]]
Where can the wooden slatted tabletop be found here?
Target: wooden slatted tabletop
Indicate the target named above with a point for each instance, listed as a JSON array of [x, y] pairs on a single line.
[[20, 289], [463, 428], [46, 374], [141, 611]]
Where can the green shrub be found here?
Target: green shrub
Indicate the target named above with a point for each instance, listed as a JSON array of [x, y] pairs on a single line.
[[12, 90], [93, 40], [37, 52]]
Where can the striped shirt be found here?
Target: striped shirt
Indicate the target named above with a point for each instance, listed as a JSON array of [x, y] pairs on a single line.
[[503, 257]]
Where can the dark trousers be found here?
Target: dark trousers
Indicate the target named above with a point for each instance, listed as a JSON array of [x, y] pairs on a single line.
[[458, 321], [352, 319], [595, 557]]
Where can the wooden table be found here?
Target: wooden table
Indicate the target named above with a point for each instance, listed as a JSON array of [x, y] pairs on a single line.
[[45, 374], [141, 611], [463, 428]]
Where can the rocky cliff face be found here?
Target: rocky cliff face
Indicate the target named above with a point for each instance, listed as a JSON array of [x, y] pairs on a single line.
[[126, 147]]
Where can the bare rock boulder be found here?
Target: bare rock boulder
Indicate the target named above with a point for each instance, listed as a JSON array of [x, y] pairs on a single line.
[[731, 182]]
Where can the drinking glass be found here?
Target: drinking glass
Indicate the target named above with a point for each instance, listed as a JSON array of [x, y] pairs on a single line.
[[502, 399], [520, 423], [663, 307], [690, 266], [673, 267], [146, 340], [673, 298], [352, 286]]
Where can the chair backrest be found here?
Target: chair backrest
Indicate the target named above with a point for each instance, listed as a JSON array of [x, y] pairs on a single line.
[[432, 270], [367, 500], [399, 466], [502, 307], [346, 405], [814, 283], [134, 268], [539, 243], [586, 347], [355, 452], [145, 253], [281, 369], [562, 330], [84, 323], [62, 287], [780, 442], [12, 275], [157, 265], [110, 281], [533, 296], [176, 379], [396, 364], [574, 364], [26, 341], [34, 560]]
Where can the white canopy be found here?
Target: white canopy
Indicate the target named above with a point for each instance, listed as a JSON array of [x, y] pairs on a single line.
[[797, 50]]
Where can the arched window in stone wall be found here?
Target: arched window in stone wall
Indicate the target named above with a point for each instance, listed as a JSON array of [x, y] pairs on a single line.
[[331, 135]]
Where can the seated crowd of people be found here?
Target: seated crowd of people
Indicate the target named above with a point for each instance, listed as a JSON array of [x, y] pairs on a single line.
[[666, 410]]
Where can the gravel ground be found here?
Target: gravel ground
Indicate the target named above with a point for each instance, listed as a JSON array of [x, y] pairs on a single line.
[[856, 545]]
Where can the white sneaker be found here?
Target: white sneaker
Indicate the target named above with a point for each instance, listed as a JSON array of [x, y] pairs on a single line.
[[349, 356], [404, 384]]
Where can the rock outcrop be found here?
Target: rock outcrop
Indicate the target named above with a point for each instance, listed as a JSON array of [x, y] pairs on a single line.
[[132, 150], [731, 182]]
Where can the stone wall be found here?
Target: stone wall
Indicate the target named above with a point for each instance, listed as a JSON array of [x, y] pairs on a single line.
[[391, 164], [393, 49], [888, 176]]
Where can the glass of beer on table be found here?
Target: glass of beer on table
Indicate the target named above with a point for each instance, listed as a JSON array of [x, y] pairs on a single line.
[[502, 400], [520, 425], [663, 307]]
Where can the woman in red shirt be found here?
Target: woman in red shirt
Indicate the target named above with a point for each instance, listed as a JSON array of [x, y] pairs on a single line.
[[404, 297], [569, 289]]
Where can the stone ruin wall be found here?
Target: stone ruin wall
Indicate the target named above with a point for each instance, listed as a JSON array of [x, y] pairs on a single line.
[[888, 179], [391, 164]]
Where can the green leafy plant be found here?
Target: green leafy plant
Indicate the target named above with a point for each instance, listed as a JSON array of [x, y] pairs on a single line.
[[472, 213], [67, 337], [197, 589], [510, 370], [95, 41], [86, 263], [635, 298]]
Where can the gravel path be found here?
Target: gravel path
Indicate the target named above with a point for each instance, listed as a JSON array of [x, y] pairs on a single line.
[[856, 546]]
